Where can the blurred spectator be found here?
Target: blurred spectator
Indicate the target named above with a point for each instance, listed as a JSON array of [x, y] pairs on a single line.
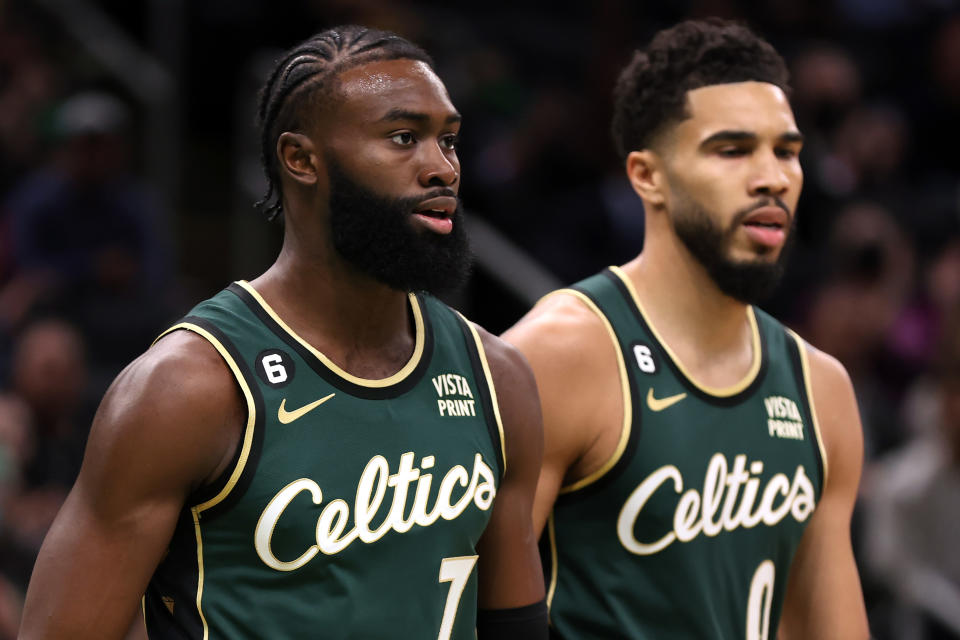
[[49, 373], [16, 558], [44, 421], [28, 87], [861, 293], [912, 514], [90, 242]]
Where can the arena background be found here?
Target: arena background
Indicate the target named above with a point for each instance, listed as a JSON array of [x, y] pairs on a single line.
[[149, 105]]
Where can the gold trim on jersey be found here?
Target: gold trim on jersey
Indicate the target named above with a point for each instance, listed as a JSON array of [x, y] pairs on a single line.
[[720, 392], [552, 589], [195, 511], [330, 364], [493, 391], [625, 393], [251, 410], [805, 365], [244, 451]]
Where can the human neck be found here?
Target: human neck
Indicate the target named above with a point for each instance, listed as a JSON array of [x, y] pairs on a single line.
[[708, 331], [361, 324]]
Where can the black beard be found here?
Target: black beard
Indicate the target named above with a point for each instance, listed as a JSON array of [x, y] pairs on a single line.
[[375, 235], [749, 282]]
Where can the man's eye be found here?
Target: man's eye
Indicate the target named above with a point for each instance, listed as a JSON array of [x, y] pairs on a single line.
[[403, 138], [786, 154], [731, 152], [450, 142]]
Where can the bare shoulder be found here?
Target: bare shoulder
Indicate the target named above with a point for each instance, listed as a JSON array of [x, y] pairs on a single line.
[[561, 327], [577, 366], [838, 417], [519, 404], [176, 405], [507, 364], [572, 353]]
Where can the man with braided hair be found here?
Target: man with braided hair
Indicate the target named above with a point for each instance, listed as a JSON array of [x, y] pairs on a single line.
[[700, 460], [326, 451]]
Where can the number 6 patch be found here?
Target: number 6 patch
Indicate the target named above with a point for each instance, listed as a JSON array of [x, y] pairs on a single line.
[[645, 359], [275, 368]]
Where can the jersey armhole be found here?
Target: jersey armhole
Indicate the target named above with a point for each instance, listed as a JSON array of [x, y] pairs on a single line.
[[217, 496], [626, 394], [487, 390], [801, 363]]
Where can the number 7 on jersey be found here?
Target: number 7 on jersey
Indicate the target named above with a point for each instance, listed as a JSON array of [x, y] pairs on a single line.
[[456, 571]]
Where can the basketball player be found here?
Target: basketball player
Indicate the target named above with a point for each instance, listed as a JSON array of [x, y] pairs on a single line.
[[319, 452], [700, 461]]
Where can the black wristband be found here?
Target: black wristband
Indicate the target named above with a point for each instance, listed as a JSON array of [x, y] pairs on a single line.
[[519, 623]]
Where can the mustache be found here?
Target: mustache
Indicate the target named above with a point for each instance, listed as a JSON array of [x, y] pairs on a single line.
[[410, 203], [759, 204]]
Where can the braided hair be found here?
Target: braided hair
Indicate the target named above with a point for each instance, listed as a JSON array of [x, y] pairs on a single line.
[[303, 77]]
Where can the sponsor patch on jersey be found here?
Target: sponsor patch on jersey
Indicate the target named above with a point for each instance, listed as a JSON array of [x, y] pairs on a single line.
[[455, 397], [783, 418]]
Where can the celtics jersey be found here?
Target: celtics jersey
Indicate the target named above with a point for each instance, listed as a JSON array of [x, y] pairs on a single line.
[[352, 507], [689, 529]]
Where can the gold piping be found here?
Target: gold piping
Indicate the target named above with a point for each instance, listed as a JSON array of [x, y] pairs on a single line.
[[251, 411], [493, 390], [720, 392], [805, 365], [625, 390], [364, 382], [196, 527], [552, 532]]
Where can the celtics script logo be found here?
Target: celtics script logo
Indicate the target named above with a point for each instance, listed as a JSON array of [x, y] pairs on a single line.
[[332, 535]]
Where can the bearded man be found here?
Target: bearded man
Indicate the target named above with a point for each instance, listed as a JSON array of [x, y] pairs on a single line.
[[326, 450], [701, 461]]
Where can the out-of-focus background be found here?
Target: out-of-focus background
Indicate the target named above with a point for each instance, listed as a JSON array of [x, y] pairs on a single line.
[[129, 166]]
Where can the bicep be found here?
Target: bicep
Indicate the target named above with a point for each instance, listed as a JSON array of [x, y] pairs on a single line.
[[151, 444], [824, 598], [94, 566], [573, 361]]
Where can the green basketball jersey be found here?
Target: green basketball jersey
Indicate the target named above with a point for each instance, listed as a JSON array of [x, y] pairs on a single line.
[[688, 531], [353, 507]]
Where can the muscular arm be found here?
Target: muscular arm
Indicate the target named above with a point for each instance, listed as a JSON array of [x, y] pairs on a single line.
[[167, 425], [509, 568], [824, 599], [575, 366]]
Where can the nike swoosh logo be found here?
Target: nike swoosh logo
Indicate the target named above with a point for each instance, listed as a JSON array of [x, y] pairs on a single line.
[[660, 404], [286, 417]]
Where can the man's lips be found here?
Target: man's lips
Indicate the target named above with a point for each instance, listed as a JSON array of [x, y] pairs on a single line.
[[436, 214], [438, 207], [768, 216], [767, 225]]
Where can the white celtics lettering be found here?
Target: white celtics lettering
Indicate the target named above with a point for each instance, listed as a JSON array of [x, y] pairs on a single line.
[[721, 506], [331, 536]]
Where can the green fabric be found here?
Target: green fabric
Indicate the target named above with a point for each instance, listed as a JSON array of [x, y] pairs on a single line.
[[342, 553], [622, 569]]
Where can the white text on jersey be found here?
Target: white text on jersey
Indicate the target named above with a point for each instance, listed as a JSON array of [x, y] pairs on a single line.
[[376, 477], [448, 384], [783, 418], [716, 509]]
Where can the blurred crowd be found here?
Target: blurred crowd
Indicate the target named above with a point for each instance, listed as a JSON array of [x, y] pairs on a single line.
[[89, 274]]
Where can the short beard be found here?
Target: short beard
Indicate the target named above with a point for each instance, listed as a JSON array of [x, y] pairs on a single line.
[[375, 234], [750, 282]]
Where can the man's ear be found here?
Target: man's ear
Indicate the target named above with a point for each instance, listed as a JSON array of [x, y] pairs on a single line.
[[645, 172], [298, 157]]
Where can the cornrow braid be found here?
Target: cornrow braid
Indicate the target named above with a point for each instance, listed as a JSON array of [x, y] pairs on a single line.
[[302, 77]]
